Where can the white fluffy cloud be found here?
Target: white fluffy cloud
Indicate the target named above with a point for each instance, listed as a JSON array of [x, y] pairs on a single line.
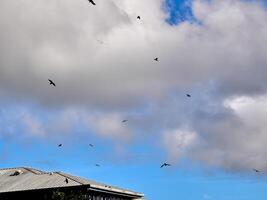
[[110, 126], [59, 40], [220, 58], [178, 142], [235, 141]]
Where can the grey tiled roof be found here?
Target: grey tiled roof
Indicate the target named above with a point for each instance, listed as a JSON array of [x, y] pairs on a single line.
[[32, 179]]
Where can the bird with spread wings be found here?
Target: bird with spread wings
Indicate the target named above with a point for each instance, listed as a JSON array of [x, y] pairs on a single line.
[[51, 82], [92, 2], [165, 165]]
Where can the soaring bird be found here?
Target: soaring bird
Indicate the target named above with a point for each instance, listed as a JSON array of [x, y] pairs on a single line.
[[188, 95], [97, 165], [91, 145], [92, 2], [125, 120], [165, 165], [60, 145], [256, 170], [51, 83], [156, 59], [66, 180], [138, 17]]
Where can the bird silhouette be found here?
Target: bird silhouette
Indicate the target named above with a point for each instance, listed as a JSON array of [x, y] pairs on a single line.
[[124, 121], [16, 173], [156, 59], [165, 165], [60, 145], [92, 2], [256, 170], [66, 180], [188, 95], [91, 145], [51, 83], [97, 165], [138, 17]]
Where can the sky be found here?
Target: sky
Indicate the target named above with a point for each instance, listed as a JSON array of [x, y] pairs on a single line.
[[102, 61]]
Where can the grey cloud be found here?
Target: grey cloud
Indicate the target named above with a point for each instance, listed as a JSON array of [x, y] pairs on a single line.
[[58, 40], [221, 57]]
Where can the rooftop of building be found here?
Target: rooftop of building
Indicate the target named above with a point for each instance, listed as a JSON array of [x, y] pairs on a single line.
[[26, 178]]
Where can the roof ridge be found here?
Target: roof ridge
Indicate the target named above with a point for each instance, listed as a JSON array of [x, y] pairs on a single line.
[[30, 169], [8, 168], [33, 170], [70, 177]]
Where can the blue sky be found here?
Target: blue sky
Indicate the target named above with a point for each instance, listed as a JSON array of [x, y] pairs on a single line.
[[180, 10], [186, 181], [219, 133]]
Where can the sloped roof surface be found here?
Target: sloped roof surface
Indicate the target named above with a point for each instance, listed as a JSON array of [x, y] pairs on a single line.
[[32, 179]]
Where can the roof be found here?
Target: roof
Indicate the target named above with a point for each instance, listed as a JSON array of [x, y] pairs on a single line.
[[34, 179]]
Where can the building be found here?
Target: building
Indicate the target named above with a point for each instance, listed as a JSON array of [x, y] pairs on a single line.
[[29, 183]]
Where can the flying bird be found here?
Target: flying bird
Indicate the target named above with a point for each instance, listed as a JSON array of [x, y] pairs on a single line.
[[60, 145], [256, 170], [97, 165], [138, 17], [156, 59], [92, 2], [125, 120], [66, 180], [188, 95], [51, 83], [91, 145], [165, 165]]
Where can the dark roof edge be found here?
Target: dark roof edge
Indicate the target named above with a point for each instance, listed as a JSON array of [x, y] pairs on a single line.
[[132, 194]]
